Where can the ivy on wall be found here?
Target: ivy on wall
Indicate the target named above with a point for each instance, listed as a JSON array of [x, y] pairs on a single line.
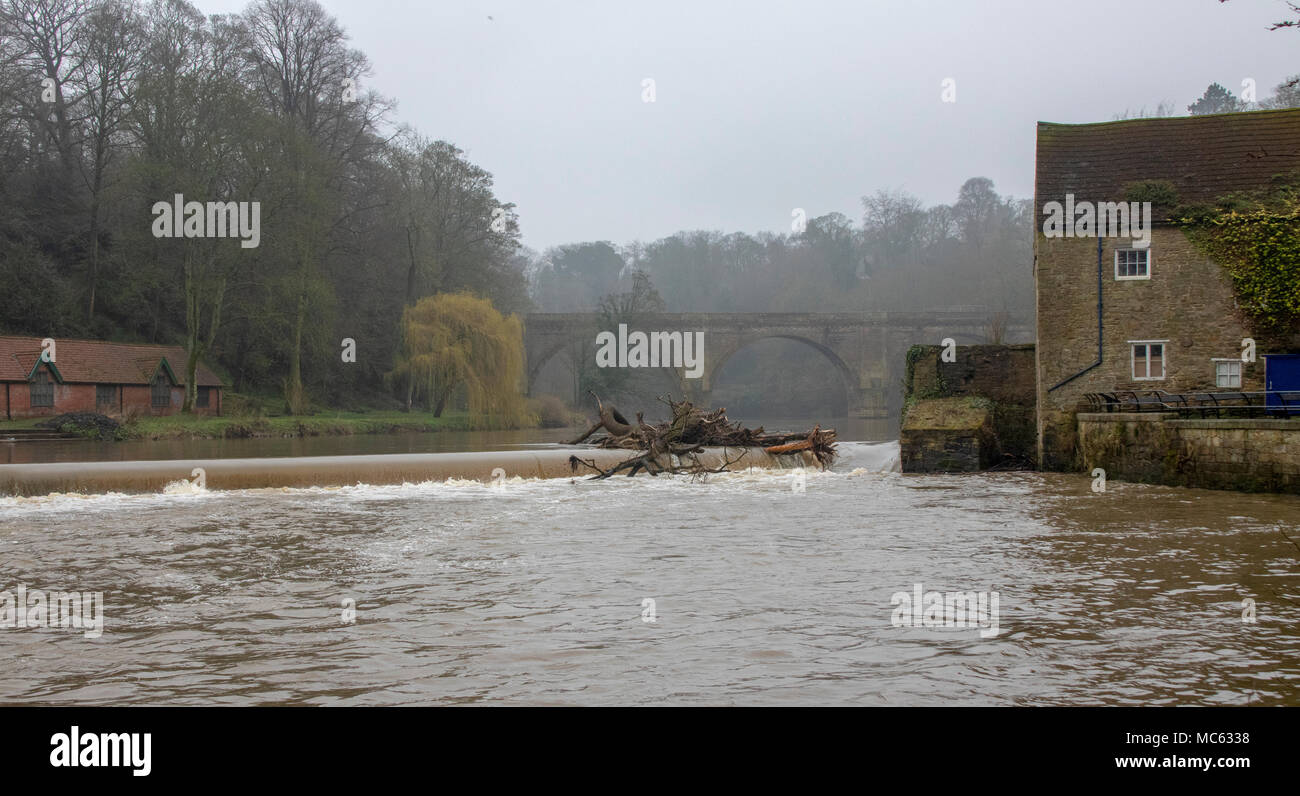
[[1255, 236], [936, 389]]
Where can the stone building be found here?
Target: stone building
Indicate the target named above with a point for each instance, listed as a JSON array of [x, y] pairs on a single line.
[[1114, 314], [98, 376]]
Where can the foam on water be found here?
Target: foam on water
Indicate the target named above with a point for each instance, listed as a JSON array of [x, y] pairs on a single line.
[[872, 457], [183, 487], [855, 459]]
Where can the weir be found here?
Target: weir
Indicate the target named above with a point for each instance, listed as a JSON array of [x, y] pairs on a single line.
[[307, 471]]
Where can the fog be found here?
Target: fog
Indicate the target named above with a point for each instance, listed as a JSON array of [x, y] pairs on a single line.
[[762, 107]]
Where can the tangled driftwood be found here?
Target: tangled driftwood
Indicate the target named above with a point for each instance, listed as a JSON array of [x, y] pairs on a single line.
[[671, 447]]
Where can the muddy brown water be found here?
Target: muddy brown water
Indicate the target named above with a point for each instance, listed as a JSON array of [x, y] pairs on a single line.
[[535, 591]]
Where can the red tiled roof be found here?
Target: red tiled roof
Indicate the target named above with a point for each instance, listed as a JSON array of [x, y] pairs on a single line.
[[98, 361], [1204, 157]]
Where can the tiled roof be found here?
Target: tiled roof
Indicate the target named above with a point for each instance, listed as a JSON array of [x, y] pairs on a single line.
[[1204, 157], [97, 361]]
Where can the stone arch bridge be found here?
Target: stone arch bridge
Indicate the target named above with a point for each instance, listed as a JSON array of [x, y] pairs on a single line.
[[867, 349]]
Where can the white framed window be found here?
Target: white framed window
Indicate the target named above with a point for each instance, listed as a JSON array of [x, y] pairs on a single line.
[[1148, 359], [1133, 263], [1227, 372]]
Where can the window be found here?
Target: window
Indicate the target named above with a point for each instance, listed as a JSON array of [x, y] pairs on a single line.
[[42, 389], [161, 396], [105, 395], [201, 399], [1148, 359], [1227, 373], [1132, 263]]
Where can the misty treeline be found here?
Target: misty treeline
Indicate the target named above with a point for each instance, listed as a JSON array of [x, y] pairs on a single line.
[[110, 106], [974, 254], [1218, 99], [900, 255]]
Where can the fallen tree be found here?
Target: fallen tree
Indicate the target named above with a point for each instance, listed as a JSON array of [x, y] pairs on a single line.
[[672, 446]]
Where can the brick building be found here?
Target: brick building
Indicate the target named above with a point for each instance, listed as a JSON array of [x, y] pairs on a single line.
[[97, 376], [1116, 316]]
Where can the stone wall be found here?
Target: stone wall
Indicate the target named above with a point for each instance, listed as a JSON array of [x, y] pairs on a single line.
[[970, 414], [1003, 373], [947, 435], [1251, 455]]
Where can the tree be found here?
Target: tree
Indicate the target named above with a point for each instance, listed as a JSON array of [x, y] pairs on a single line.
[[42, 43], [1285, 94], [1217, 99], [112, 53], [892, 224], [305, 74], [110, 106], [458, 235], [1286, 23], [455, 339], [632, 305], [198, 136], [977, 210], [576, 276], [49, 40]]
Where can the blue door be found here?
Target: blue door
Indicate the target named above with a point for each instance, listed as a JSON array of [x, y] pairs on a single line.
[[1282, 374]]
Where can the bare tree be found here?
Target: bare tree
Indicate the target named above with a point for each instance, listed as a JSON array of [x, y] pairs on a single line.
[[47, 37], [111, 52], [306, 75]]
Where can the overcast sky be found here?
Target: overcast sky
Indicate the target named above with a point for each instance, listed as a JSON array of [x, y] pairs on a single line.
[[762, 107]]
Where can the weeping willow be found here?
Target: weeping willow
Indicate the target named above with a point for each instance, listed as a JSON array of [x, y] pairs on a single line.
[[454, 339]]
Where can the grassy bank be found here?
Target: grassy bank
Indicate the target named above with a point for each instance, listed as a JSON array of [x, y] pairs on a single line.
[[340, 423]]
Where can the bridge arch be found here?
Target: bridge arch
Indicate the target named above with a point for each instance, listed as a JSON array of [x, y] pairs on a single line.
[[536, 364], [673, 379], [865, 348], [714, 368]]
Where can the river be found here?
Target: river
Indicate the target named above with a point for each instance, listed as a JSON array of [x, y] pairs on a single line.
[[542, 592]]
